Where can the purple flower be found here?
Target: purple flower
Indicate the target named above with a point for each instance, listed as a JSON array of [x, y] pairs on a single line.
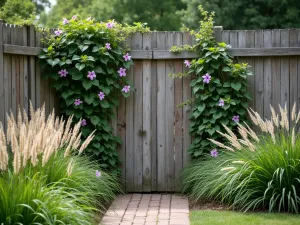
[[236, 118], [187, 63], [206, 78], [58, 32], [77, 102], [101, 95], [74, 17], [107, 46], [65, 21], [91, 75], [214, 153], [83, 122], [221, 102], [122, 72], [63, 73], [98, 173], [110, 25], [126, 89], [89, 19], [127, 57]]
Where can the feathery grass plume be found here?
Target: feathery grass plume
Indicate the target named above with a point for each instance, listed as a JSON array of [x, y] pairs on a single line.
[[293, 114], [70, 167], [39, 138], [221, 145], [3, 150], [274, 117]]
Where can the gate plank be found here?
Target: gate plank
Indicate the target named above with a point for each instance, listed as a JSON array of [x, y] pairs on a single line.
[[293, 42], [161, 103], [178, 120], [153, 115], [169, 118], [129, 136], [147, 116]]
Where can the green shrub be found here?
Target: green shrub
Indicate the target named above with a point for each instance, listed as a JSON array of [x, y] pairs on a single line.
[[256, 171]]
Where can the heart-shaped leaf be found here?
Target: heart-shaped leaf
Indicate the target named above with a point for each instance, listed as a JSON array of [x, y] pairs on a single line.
[[236, 86], [87, 84], [89, 98]]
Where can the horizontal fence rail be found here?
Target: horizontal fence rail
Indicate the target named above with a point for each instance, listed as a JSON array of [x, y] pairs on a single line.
[[152, 161]]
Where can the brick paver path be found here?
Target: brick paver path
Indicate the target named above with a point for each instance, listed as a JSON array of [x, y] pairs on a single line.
[[148, 209]]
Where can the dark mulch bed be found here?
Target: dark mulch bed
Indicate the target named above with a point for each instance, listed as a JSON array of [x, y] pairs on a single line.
[[204, 205]]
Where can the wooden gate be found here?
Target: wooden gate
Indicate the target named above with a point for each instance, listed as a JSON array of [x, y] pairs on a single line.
[[154, 130]]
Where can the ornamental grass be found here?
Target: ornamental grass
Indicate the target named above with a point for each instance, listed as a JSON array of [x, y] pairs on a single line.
[[256, 169], [44, 178]]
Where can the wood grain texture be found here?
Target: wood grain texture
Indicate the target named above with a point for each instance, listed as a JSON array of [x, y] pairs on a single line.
[[147, 111], [293, 70], [2, 113], [284, 71], [267, 75], [276, 71]]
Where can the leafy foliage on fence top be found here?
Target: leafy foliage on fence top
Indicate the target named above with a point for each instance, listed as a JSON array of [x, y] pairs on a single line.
[[88, 63], [219, 87]]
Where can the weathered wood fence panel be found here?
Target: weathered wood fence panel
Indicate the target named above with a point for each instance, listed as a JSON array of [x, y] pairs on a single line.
[[153, 129]]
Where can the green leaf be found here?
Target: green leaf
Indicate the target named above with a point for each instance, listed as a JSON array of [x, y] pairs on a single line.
[[91, 58], [104, 59], [98, 69], [215, 65], [226, 69], [211, 131], [53, 62], [89, 98], [236, 86], [69, 111], [69, 101], [109, 80], [95, 49], [76, 75], [65, 94], [87, 84], [80, 66], [217, 115], [87, 42], [226, 84], [106, 90], [95, 83], [104, 104], [78, 114], [88, 110], [72, 49], [201, 107], [83, 47], [95, 120], [75, 57]]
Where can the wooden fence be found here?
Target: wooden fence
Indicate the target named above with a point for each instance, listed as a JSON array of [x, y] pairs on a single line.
[[154, 131]]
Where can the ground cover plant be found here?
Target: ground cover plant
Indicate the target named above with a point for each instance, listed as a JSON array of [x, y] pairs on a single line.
[[44, 179], [257, 170], [88, 62], [219, 87]]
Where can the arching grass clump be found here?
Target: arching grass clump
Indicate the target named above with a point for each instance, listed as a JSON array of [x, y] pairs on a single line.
[[256, 171]]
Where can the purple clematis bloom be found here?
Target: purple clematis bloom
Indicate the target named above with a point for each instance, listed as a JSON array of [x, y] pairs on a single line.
[[110, 25], [77, 102], [83, 122], [91, 75], [127, 57], [107, 46], [206, 78], [126, 89], [221, 102], [63, 73], [236, 118], [98, 173], [187, 63], [58, 32], [214, 153], [65, 21], [122, 72], [74, 17], [101, 95]]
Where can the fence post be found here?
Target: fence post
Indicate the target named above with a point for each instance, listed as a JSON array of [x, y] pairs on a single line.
[[2, 117], [218, 33]]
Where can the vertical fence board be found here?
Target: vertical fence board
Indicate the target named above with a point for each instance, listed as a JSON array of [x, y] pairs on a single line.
[[26, 69], [147, 116], [284, 71], [178, 118], [250, 40], [293, 42], [129, 136], [275, 71], [38, 37], [153, 115], [14, 73], [161, 103], [32, 71], [7, 73], [298, 74], [259, 75], [186, 95], [169, 117], [267, 75]]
